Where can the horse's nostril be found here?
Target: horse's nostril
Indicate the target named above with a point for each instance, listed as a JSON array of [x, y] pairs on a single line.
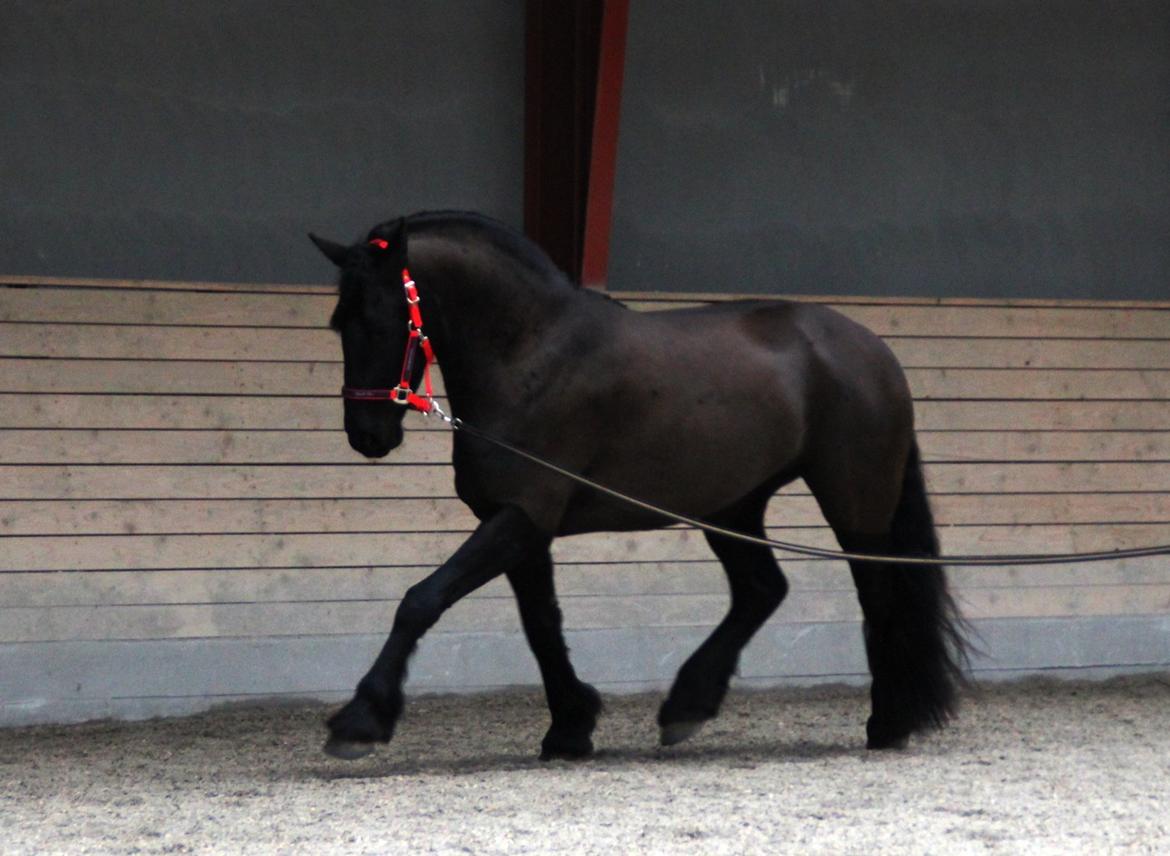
[[363, 443], [374, 445]]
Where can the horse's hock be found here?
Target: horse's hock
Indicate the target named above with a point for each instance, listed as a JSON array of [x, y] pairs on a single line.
[[184, 523]]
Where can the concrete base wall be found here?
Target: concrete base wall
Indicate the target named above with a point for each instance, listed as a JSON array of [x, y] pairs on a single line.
[[75, 681]]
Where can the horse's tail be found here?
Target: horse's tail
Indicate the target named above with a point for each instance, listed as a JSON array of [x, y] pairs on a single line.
[[933, 648], [913, 631]]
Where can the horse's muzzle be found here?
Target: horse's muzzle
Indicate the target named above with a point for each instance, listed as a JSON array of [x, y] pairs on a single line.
[[375, 444]]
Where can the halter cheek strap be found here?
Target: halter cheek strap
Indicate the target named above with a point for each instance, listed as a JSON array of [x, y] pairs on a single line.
[[416, 342]]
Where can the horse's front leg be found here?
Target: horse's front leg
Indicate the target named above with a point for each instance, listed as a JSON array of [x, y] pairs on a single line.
[[574, 704], [500, 544]]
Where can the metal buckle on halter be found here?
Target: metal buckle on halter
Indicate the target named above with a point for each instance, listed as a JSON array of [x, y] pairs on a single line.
[[436, 410], [411, 301], [400, 395]]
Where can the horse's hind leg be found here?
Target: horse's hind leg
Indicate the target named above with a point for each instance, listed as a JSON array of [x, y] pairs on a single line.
[[574, 705], [757, 588], [911, 627]]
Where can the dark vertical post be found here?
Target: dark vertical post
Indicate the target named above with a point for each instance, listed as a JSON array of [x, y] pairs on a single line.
[[561, 81]]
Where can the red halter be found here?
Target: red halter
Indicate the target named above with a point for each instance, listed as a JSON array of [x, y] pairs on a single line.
[[415, 342]]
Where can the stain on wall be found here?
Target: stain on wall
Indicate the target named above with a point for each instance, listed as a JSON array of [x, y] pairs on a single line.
[[902, 147]]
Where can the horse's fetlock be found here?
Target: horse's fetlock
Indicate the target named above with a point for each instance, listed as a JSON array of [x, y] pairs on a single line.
[[378, 693], [581, 712], [678, 709]]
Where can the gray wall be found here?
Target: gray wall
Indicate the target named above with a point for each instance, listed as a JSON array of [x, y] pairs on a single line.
[[200, 140], [902, 147]]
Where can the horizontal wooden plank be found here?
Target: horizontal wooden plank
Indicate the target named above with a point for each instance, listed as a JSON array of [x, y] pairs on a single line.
[[666, 298], [145, 517], [136, 342], [658, 297], [106, 446], [1040, 353], [971, 319], [114, 446], [626, 579], [290, 585], [62, 305], [369, 616], [1023, 445], [190, 412], [321, 549], [185, 377], [279, 550], [66, 306], [1032, 508], [594, 612], [425, 480], [282, 516], [195, 481], [138, 284], [325, 413], [1047, 477], [1043, 415], [1039, 384], [179, 377], [1014, 322]]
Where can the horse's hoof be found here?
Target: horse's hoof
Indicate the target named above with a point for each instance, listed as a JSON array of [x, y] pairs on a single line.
[[887, 744], [562, 755], [348, 750], [881, 734], [565, 748], [677, 732]]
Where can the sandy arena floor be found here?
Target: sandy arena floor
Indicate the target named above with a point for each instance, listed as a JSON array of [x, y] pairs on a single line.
[[1036, 768]]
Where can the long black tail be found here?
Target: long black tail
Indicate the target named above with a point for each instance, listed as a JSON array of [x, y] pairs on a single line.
[[914, 634], [943, 629]]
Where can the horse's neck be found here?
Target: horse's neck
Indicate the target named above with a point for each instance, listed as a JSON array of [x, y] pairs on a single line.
[[482, 316]]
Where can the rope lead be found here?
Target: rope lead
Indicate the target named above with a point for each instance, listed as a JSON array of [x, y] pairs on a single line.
[[804, 549]]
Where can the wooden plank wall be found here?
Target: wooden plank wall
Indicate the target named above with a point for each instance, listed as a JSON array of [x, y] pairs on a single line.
[[182, 521]]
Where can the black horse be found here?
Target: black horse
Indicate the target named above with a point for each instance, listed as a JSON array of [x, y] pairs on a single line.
[[706, 412]]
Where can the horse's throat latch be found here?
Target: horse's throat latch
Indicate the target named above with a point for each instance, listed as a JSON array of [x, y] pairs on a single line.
[[416, 343]]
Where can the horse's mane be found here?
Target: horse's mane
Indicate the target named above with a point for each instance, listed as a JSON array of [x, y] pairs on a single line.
[[470, 225]]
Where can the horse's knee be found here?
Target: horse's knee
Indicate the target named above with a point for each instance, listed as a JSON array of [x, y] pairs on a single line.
[[419, 610]]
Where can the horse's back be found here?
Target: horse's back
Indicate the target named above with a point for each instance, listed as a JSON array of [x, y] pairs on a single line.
[[827, 358], [715, 401], [829, 389]]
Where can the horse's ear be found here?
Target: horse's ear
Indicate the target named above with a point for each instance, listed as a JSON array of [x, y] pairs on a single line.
[[336, 253], [390, 235]]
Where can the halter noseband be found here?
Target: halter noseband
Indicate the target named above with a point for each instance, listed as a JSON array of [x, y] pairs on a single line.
[[415, 342]]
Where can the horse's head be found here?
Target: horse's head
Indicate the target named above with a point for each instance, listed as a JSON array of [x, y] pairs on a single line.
[[372, 319]]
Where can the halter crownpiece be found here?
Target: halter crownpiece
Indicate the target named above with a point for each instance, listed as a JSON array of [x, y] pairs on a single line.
[[416, 341]]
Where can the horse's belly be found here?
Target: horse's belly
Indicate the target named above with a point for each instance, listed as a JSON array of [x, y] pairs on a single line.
[[695, 476]]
